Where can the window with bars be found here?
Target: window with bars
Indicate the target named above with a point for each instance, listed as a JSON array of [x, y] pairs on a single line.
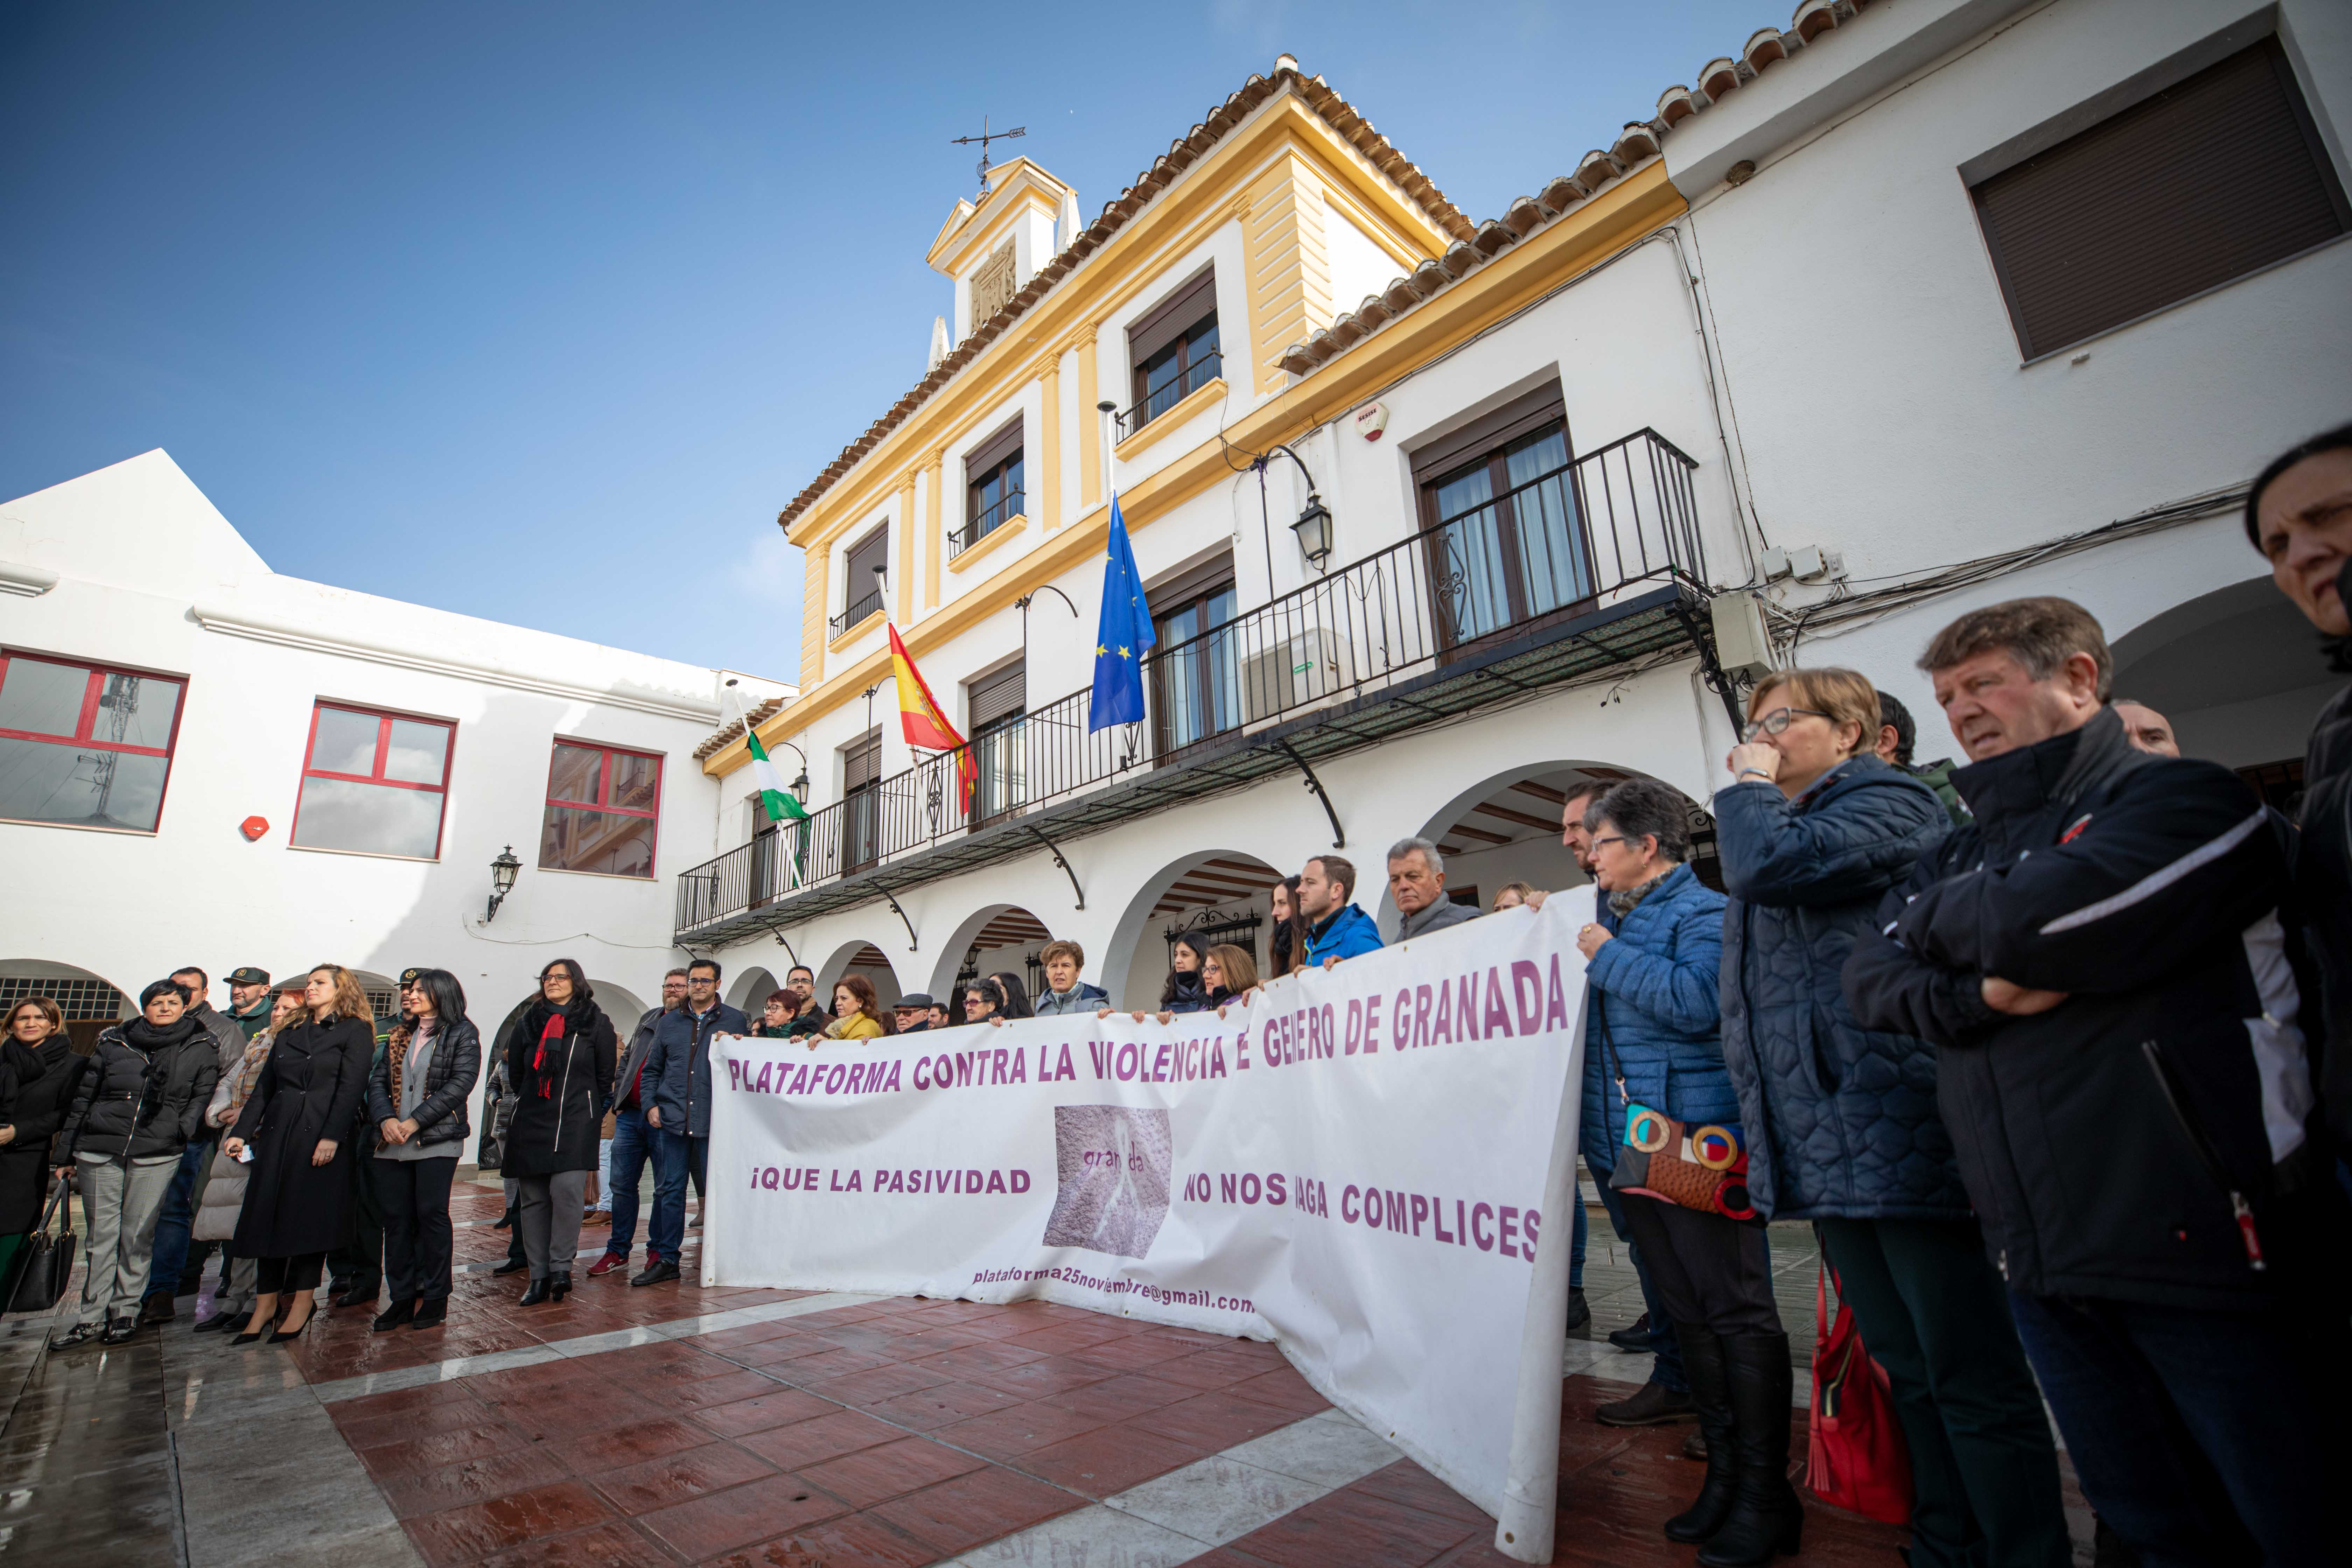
[[996, 707], [78, 1000], [861, 799], [863, 571], [373, 783], [1174, 353], [993, 492], [603, 810], [84, 745], [2184, 185]]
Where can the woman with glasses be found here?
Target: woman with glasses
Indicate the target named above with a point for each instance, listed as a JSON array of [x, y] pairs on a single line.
[[1652, 1021], [1814, 829], [297, 1194]]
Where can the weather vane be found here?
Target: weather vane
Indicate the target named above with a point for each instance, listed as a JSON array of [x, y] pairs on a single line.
[[984, 138]]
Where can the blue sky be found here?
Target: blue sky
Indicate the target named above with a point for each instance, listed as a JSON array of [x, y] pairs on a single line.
[[541, 312]]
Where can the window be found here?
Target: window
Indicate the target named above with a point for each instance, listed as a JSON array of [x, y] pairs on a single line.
[[861, 591], [84, 744], [374, 784], [861, 800], [993, 286], [992, 488], [1174, 353], [997, 706], [1195, 684], [2210, 177], [602, 807], [1504, 544]]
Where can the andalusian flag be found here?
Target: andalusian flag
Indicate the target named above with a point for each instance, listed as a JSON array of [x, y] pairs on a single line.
[[780, 803], [925, 723]]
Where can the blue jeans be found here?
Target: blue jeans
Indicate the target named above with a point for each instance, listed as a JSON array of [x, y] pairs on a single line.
[[1662, 1343], [675, 1156], [177, 1220], [2199, 1437], [633, 1144]]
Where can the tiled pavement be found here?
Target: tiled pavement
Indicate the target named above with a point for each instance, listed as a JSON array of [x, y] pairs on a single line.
[[674, 1425]]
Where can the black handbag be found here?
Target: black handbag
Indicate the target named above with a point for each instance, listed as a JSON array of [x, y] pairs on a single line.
[[48, 1263]]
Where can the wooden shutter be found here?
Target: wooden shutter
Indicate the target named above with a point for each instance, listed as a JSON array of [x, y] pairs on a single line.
[[994, 450], [2213, 177], [861, 761], [1183, 587], [998, 696], [1488, 433], [869, 552], [1172, 318]]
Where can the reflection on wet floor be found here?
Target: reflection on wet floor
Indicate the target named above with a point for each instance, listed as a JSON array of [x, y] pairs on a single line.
[[85, 1458]]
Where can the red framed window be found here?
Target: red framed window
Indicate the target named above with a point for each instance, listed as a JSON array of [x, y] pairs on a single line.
[[374, 784], [603, 807], [85, 745]]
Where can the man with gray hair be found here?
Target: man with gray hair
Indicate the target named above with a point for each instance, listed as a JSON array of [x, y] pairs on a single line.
[[1417, 883]]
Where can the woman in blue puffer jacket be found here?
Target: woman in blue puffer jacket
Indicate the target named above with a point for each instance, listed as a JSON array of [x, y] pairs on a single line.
[[1813, 830], [1654, 1014]]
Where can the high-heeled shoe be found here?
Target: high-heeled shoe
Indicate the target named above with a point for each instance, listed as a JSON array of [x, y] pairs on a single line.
[[248, 1336], [280, 1336]]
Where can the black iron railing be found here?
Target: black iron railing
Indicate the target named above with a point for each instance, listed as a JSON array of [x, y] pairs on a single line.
[[1161, 399], [984, 524], [1556, 551], [856, 612]]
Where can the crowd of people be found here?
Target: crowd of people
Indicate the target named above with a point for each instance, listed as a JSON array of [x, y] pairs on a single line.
[[2051, 1045]]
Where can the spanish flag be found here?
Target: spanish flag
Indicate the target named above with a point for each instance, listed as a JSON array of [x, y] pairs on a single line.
[[925, 723]]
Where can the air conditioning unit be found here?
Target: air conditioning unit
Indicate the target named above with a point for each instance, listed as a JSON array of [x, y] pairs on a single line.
[[1295, 673]]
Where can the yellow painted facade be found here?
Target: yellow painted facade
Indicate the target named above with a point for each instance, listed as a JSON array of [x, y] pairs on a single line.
[[1280, 176]]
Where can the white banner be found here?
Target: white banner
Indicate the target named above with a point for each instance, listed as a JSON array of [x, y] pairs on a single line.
[[1370, 1166]]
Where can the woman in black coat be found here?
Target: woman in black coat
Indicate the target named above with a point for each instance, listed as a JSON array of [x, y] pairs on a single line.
[[38, 1072], [298, 1203], [560, 1059]]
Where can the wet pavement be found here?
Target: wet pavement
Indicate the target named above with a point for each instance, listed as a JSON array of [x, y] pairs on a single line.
[[676, 1424]]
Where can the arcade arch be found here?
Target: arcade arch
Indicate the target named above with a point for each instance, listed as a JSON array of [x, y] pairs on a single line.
[[1222, 893], [748, 991], [89, 1000], [992, 939], [2239, 673], [864, 958]]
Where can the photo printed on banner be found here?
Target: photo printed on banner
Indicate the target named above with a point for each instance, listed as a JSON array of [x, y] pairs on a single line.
[[1115, 1164]]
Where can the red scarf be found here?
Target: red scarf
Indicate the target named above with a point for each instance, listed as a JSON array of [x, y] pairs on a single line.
[[554, 1031]]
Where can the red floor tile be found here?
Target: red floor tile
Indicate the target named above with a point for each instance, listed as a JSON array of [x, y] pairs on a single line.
[[855, 1542], [942, 1406], [674, 1478], [809, 1443], [470, 1481], [979, 1507], [1282, 1388], [1214, 1422], [430, 1452], [877, 1474], [740, 1516], [1354, 1528], [631, 1445], [613, 1545], [1004, 1434], [465, 1533], [779, 1406], [1120, 1398], [725, 1389], [1038, 1379], [878, 1384], [1107, 1460]]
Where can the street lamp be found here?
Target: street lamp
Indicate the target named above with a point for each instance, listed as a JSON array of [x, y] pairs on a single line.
[[1314, 529], [502, 880]]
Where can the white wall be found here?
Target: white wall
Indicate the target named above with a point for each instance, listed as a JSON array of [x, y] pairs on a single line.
[[134, 547]]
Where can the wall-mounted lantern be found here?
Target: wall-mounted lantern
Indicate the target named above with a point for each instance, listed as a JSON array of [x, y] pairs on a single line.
[[502, 882]]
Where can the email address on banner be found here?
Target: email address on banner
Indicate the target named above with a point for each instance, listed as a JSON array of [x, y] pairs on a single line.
[[1158, 1293]]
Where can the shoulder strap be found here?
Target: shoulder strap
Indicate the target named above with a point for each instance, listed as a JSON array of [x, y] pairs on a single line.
[[1608, 1045]]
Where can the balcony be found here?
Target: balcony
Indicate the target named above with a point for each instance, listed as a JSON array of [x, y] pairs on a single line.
[[1592, 566], [1162, 398], [870, 604]]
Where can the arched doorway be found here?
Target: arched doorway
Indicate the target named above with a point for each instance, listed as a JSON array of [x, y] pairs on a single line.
[[1221, 893], [621, 1004], [864, 958], [750, 989], [2239, 673], [996, 938], [89, 1001]]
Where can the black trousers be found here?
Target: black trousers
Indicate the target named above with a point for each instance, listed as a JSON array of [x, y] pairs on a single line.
[[301, 1272], [359, 1262], [1709, 1270], [414, 1198]]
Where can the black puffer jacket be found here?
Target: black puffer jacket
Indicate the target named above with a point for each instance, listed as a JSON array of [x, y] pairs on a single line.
[[2089, 1135], [1842, 1120], [2323, 876], [144, 1091], [449, 1078]]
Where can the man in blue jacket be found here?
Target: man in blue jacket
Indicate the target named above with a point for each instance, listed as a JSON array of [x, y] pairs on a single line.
[[1336, 928], [677, 1070]]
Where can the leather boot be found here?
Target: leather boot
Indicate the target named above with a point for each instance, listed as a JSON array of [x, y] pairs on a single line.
[[541, 1287], [1710, 1390], [560, 1284], [1766, 1515]]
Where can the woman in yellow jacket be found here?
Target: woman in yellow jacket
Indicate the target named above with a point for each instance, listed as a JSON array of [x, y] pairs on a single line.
[[858, 1011]]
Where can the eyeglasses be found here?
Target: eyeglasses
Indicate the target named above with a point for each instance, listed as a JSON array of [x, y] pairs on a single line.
[[700, 980], [1613, 839], [1777, 722]]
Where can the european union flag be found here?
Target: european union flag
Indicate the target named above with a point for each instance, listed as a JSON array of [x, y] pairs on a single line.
[[1123, 637]]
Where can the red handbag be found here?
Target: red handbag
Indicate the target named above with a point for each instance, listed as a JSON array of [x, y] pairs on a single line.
[[1856, 1458]]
